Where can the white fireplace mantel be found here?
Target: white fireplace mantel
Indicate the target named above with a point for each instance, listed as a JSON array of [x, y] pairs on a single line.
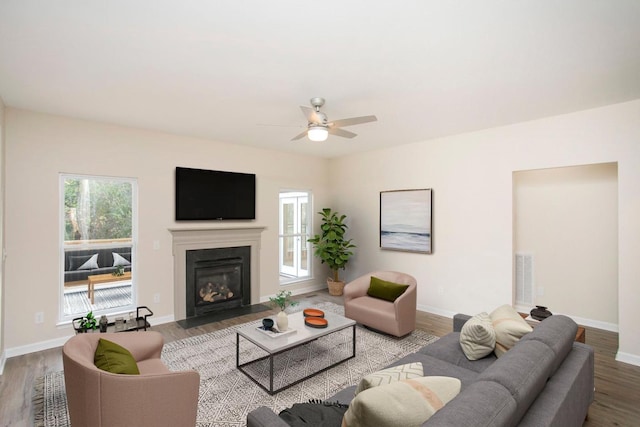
[[188, 239]]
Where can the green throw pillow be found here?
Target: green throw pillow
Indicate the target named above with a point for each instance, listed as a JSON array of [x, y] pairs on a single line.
[[382, 289], [114, 358]]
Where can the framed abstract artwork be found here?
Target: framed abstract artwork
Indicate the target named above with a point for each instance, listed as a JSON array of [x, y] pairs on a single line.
[[405, 220]]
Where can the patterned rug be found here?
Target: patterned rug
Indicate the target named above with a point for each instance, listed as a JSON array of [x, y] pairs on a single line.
[[227, 395], [106, 297]]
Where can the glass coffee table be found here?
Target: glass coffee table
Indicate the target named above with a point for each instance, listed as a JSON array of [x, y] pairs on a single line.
[[299, 334]]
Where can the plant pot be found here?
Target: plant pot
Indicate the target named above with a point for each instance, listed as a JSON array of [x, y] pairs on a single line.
[[282, 321], [335, 288]]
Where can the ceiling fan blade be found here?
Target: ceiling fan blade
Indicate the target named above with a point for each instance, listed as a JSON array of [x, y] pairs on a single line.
[[299, 136], [310, 114], [341, 132], [353, 121]]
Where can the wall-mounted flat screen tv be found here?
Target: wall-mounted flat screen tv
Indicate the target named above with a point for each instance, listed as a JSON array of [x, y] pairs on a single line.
[[214, 195]]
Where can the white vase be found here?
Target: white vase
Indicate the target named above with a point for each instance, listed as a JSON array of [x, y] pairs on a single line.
[[282, 321]]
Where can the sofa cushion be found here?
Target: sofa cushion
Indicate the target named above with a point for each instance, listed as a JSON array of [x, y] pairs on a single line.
[[385, 290], [442, 368], [568, 393], [524, 371], [407, 403], [114, 358], [477, 337], [482, 404], [509, 327], [558, 332], [448, 349], [83, 262], [389, 375], [123, 259]]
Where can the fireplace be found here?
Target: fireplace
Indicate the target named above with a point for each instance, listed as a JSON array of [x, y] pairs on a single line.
[[217, 279], [186, 240]]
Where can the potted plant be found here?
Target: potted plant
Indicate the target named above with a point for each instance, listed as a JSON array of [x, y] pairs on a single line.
[[119, 271], [282, 300], [88, 322], [332, 248]]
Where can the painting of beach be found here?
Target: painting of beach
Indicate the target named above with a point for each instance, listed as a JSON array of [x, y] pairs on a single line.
[[405, 220]]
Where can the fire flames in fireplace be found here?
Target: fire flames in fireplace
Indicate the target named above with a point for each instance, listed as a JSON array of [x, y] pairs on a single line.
[[217, 279]]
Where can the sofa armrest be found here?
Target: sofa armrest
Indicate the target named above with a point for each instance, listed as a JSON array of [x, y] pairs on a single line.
[[405, 308], [357, 288], [264, 417], [143, 345], [167, 399], [459, 320]]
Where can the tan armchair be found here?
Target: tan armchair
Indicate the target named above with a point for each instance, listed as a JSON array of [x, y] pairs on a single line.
[[156, 397], [396, 318]]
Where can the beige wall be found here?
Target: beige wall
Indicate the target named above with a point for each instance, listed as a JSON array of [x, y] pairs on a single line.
[[39, 147], [471, 174], [567, 219], [2, 354]]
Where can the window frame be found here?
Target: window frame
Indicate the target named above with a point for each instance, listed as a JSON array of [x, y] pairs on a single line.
[[286, 279], [67, 318]]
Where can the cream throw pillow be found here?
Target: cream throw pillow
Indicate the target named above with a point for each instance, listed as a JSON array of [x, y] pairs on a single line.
[[509, 327], [477, 337], [389, 375], [405, 403]]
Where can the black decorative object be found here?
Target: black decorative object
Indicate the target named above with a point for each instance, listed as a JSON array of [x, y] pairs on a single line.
[[540, 313], [267, 324], [104, 322]]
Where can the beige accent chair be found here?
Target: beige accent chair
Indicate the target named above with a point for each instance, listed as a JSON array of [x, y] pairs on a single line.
[[395, 318], [157, 397]]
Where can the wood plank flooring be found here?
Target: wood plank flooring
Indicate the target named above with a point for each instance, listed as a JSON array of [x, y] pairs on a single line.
[[617, 398]]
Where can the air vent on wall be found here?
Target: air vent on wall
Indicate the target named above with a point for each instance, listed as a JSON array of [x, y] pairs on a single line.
[[524, 279]]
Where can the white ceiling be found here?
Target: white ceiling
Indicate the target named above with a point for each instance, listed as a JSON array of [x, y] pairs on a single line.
[[237, 70]]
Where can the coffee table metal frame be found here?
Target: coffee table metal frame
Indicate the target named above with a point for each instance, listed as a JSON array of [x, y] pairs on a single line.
[[303, 335]]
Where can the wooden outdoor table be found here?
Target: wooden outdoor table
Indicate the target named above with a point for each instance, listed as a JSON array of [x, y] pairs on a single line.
[[104, 278]]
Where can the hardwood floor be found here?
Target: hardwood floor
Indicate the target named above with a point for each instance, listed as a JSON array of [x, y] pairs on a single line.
[[617, 398]]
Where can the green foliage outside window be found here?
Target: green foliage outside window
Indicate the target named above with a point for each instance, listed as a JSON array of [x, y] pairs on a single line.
[[97, 209]]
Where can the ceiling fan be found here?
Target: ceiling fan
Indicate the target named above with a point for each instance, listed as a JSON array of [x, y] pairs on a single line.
[[319, 127]]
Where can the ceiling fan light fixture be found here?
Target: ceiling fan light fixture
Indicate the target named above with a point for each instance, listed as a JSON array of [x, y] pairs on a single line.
[[318, 133]]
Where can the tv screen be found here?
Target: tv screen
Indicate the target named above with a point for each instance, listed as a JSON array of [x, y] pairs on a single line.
[[206, 194]]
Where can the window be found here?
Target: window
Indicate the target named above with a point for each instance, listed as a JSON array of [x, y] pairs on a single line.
[[295, 251], [98, 245]]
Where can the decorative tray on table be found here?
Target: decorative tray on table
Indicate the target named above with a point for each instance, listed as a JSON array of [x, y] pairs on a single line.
[[313, 312], [316, 322]]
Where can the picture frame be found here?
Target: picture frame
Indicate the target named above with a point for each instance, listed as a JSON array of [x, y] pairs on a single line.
[[406, 220]]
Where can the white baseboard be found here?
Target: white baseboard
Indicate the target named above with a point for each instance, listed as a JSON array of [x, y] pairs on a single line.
[[611, 327], [299, 291], [434, 310], [2, 360], [631, 359], [38, 346]]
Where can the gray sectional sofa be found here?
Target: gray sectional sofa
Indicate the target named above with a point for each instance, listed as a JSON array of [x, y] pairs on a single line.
[[74, 259], [546, 379]]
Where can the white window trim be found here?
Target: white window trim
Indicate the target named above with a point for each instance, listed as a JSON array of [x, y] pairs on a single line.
[[62, 318], [295, 279]]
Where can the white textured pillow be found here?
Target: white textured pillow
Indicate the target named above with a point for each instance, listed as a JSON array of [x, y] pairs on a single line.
[[90, 264], [389, 375], [477, 336], [406, 403], [119, 260], [509, 327]]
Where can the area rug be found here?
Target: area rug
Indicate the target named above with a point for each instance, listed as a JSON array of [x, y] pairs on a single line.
[[227, 395]]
